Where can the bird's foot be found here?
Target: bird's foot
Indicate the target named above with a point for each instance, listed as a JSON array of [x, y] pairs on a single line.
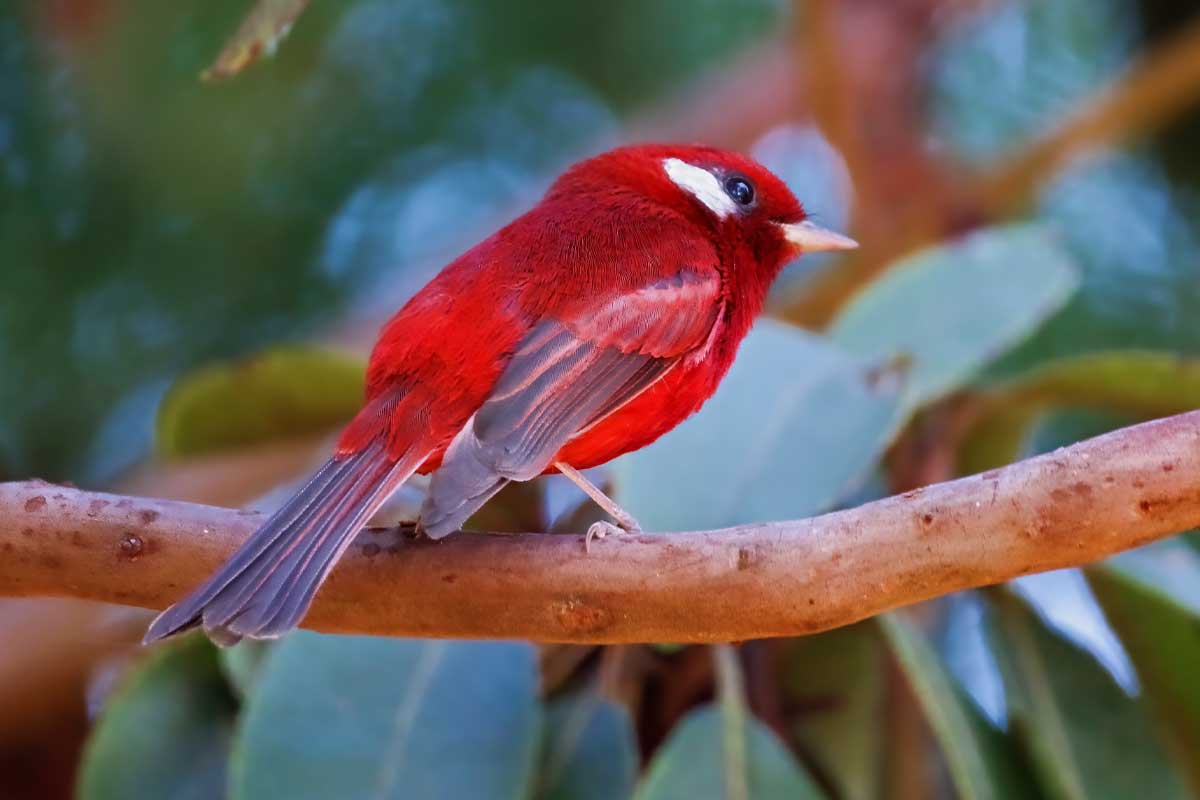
[[604, 528], [411, 529]]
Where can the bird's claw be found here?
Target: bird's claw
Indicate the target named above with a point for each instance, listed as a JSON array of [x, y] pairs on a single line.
[[603, 528]]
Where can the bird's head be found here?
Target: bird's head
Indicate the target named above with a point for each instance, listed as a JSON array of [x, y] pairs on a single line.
[[738, 199]]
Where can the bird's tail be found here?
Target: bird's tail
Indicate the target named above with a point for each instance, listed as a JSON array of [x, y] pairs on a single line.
[[265, 588]]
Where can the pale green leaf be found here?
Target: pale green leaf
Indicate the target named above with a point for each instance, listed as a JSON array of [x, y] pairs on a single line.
[[351, 716], [794, 426]]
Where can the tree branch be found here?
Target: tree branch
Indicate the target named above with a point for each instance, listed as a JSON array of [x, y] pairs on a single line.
[[1062, 509]]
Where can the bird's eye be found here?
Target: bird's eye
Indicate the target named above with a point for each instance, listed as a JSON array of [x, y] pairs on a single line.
[[740, 190]]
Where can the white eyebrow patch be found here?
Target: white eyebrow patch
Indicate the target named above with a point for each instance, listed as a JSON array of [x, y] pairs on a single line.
[[701, 184]]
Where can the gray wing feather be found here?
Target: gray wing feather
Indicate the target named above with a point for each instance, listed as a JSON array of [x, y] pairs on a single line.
[[556, 385]]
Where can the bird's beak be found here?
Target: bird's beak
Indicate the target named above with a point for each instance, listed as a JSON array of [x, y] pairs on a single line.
[[806, 237]]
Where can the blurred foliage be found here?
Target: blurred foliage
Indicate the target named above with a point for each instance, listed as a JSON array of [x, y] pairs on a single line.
[[1131, 228], [166, 732], [149, 222], [947, 311], [840, 678], [276, 394], [1070, 716], [1160, 628], [723, 751], [390, 718], [588, 749], [781, 379], [982, 762], [1121, 385], [156, 231]]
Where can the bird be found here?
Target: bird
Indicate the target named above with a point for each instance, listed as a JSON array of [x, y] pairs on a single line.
[[586, 328]]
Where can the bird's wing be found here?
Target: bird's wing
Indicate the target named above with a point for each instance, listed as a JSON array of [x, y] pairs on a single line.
[[566, 375]]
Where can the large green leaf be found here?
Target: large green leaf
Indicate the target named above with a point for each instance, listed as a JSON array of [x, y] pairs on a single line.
[[350, 717], [791, 429], [982, 761], [949, 310], [1140, 383], [1151, 597], [1085, 736], [837, 678], [165, 734], [1147, 383], [696, 762], [243, 663], [724, 752], [588, 751], [279, 393]]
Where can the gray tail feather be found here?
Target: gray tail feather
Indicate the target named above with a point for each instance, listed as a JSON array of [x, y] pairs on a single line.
[[267, 586], [465, 481]]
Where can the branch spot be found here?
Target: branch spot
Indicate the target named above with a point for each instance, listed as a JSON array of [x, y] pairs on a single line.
[[745, 558], [577, 616], [35, 504], [131, 547]]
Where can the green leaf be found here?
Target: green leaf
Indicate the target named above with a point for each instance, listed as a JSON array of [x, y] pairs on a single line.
[[1000, 436], [277, 394], [837, 678], [165, 734], [242, 663], [982, 762], [1151, 597], [1146, 383], [695, 762], [353, 716], [1085, 737], [724, 752], [791, 430], [1141, 383], [949, 310], [588, 751]]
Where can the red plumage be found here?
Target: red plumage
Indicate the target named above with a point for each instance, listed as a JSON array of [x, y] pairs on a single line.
[[585, 329]]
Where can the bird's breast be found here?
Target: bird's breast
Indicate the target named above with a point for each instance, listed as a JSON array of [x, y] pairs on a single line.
[[654, 412]]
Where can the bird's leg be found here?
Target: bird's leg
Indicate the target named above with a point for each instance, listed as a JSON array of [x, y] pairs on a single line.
[[598, 530]]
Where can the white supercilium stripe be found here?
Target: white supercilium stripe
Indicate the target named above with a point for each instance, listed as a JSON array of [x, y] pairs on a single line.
[[701, 184]]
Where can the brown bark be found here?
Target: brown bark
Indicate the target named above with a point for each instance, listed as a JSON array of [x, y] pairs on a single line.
[[1062, 509]]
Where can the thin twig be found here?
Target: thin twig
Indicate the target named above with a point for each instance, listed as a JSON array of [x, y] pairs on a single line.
[[1066, 508]]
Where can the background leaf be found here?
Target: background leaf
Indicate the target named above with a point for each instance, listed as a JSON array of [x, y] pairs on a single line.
[[1142, 384], [165, 733], [776, 461], [1151, 597], [243, 663], [982, 762], [279, 393], [348, 716], [949, 310], [1084, 735], [693, 763], [836, 679], [588, 751], [724, 751]]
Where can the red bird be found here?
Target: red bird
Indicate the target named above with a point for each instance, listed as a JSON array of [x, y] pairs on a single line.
[[585, 329]]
